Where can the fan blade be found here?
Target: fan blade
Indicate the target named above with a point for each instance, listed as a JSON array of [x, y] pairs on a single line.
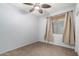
[[45, 6], [40, 10], [28, 3]]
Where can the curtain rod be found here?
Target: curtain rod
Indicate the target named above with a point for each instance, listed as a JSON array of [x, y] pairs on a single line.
[[60, 13]]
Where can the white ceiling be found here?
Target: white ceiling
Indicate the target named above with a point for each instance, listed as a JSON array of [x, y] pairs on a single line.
[[55, 7]]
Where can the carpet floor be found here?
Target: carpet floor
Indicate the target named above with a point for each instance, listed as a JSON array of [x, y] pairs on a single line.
[[41, 49]]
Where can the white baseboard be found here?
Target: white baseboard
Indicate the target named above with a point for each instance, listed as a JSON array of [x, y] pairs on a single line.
[[1, 52], [31, 43], [59, 44], [77, 51]]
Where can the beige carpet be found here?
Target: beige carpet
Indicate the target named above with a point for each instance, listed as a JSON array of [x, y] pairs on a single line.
[[41, 49]]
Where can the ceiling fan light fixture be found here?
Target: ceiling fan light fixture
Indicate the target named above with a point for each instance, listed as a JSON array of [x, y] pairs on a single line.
[[37, 7]]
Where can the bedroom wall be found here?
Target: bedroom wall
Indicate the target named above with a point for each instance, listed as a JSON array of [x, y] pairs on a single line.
[[16, 29], [77, 28], [57, 37]]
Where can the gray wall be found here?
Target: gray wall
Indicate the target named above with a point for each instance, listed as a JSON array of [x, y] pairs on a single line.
[[16, 29], [77, 28]]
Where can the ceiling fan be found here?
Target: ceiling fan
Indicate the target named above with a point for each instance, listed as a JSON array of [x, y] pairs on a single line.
[[38, 7]]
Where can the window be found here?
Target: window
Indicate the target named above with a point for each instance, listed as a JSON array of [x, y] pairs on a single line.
[[58, 25]]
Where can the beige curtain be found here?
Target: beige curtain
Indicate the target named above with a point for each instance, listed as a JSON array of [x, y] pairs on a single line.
[[69, 34], [49, 30]]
